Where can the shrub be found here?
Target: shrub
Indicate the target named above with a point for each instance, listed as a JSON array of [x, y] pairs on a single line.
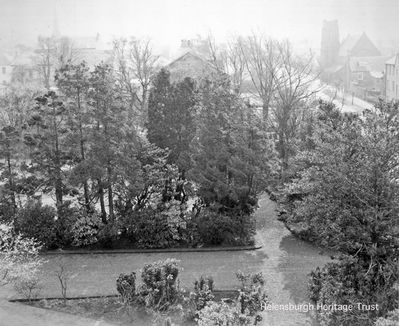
[[251, 296], [216, 228], [222, 314], [126, 286], [85, 230], [160, 288], [37, 221], [19, 259], [108, 233], [352, 280], [243, 311], [392, 319], [149, 229], [28, 286], [202, 294], [67, 217]]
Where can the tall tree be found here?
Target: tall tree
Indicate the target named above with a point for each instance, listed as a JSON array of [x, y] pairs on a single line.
[[46, 139], [52, 53], [229, 58], [294, 86], [229, 159], [261, 57], [10, 140], [73, 81], [136, 66], [171, 116], [109, 127]]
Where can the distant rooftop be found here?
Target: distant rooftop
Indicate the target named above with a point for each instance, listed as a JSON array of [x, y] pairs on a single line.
[[358, 45]]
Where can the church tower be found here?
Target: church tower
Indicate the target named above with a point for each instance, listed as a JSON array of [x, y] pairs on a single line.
[[329, 43]]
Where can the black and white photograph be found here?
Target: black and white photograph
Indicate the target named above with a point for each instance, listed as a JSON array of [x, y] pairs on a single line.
[[199, 163]]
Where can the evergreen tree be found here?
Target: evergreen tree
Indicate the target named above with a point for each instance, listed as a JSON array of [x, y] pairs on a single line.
[[73, 81], [171, 118], [47, 142], [230, 153], [109, 129]]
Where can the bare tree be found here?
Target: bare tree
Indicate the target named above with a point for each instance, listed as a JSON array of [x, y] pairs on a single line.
[[63, 276], [228, 58], [294, 84], [261, 58], [136, 65], [52, 53]]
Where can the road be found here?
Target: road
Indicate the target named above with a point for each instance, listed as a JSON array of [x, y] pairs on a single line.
[[284, 260]]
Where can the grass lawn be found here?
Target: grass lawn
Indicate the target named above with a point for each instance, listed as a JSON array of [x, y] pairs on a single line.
[[96, 274], [112, 310]]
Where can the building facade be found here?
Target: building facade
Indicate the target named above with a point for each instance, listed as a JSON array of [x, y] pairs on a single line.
[[354, 66], [392, 79]]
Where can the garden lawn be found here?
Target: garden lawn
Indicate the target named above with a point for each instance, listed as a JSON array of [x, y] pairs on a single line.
[[284, 260]]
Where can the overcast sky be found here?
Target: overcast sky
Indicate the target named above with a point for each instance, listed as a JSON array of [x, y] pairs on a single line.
[[168, 21]]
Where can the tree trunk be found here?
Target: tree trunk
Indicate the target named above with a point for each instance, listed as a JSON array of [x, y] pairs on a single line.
[[265, 110], [110, 194], [57, 167], [82, 154], [102, 203], [11, 181]]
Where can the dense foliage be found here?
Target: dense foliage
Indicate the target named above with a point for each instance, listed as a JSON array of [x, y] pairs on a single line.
[[345, 197], [115, 184]]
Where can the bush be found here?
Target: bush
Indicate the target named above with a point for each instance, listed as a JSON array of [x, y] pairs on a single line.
[[222, 314], [108, 234], [217, 229], [28, 286], [251, 296], [352, 280], [202, 294], [85, 230], [37, 221], [160, 288], [244, 311], [19, 259], [392, 319], [67, 217], [149, 229], [126, 286]]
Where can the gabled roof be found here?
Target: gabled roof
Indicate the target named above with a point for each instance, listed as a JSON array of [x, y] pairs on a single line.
[[347, 45], [358, 46], [190, 65]]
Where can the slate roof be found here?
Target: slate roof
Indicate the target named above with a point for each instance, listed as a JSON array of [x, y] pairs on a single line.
[[358, 45], [190, 65]]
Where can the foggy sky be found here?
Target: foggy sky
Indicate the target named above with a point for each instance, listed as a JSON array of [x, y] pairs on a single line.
[[168, 21]]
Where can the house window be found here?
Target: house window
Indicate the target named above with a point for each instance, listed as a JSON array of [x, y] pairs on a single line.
[[3, 69], [360, 76]]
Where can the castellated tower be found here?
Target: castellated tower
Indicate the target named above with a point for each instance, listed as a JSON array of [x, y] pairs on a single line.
[[329, 43]]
